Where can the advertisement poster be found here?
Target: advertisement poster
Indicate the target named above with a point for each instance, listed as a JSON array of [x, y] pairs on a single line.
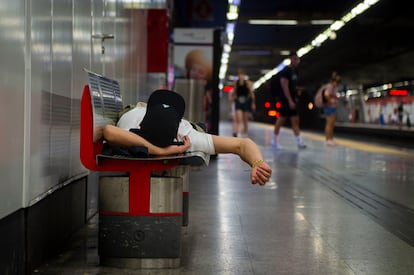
[[193, 68], [193, 53]]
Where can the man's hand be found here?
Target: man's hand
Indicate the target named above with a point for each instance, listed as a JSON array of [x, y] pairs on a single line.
[[261, 173], [177, 149], [292, 105]]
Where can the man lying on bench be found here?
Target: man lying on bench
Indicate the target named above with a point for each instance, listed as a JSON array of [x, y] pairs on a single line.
[[159, 126]]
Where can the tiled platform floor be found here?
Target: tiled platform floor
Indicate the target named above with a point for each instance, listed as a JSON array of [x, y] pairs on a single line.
[[326, 211]]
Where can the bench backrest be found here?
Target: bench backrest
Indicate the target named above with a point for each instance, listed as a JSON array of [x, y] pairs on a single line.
[[106, 99], [100, 105]]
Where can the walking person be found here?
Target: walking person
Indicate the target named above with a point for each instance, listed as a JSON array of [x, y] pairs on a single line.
[[284, 87], [330, 102], [244, 103]]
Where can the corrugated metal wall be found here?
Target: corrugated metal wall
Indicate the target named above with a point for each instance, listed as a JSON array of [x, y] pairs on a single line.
[[45, 44]]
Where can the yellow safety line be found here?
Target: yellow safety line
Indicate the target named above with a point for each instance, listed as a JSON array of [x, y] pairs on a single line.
[[384, 149], [364, 146]]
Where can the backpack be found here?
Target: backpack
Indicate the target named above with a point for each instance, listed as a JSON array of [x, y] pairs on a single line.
[[318, 99]]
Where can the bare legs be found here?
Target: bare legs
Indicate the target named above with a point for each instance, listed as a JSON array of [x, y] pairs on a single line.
[[234, 120], [242, 118], [329, 130], [294, 121], [329, 127]]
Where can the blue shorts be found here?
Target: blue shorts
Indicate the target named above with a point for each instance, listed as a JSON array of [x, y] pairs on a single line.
[[329, 110]]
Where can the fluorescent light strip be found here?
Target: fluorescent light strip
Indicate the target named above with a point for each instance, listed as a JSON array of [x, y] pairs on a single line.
[[322, 37], [321, 22], [287, 22], [272, 22], [232, 15], [233, 12]]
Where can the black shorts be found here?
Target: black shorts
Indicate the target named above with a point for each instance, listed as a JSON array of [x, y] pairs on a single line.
[[285, 110], [244, 104]]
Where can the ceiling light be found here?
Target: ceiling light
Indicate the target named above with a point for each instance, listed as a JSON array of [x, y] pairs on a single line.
[[227, 48], [321, 22], [263, 71], [360, 8], [337, 25], [272, 22], [233, 12], [304, 50], [320, 38]]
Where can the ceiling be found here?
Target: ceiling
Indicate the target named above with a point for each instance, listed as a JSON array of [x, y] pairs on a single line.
[[372, 49]]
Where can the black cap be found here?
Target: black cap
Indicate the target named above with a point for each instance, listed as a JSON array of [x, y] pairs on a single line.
[[165, 110]]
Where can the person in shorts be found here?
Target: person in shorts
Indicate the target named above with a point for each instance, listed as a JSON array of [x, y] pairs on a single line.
[[244, 103], [330, 102], [284, 87]]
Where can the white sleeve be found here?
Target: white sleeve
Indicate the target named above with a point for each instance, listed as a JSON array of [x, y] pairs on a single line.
[[132, 118], [200, 141]]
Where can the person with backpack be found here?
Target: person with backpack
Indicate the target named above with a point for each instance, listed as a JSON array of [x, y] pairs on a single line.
[[327, 98]]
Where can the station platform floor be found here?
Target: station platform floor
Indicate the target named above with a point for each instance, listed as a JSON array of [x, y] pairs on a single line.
[[347, 209]]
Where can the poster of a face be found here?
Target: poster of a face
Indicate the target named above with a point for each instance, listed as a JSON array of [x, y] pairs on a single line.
[[193, 54]]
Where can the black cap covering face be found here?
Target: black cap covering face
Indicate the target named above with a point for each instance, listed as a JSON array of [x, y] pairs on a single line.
[[165, 110]]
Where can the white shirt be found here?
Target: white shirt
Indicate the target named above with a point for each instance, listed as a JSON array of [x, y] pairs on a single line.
[[200, 142]]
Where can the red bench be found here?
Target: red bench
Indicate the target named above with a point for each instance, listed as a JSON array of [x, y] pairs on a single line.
[[140, 215]]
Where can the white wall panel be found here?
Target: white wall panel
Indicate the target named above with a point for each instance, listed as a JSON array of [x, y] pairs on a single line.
[[12, 78], [61, 87], [97, 28], [40, 37], [45, 46]]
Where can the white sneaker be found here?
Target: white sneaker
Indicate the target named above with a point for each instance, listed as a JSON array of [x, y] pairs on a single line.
[[277, 146], [273, 141], [301, 145], [330, 142]]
